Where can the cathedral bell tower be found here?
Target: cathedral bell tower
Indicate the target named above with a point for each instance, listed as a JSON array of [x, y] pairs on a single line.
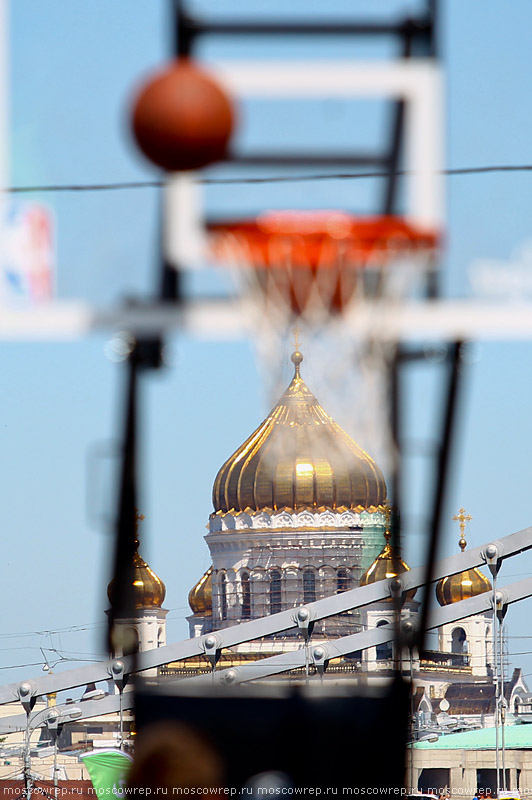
[[147, 629], [471, 639], [388, 564]]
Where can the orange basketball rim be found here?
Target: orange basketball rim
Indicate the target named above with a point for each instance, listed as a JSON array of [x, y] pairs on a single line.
[[304, 258]]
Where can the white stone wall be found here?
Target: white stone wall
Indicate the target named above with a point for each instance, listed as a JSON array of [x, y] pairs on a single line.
[[150, 625], [260, 544], [374, 616]]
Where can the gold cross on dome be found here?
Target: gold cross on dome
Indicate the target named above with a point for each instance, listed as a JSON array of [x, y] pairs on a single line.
[[462, 518], [296, 338]]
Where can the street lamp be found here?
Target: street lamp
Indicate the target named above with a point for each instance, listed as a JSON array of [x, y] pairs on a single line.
[[493, 563], [53, 718], [501, 608]]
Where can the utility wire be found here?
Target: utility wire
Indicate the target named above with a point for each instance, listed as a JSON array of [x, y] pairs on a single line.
[[83, 627], [155, 184]]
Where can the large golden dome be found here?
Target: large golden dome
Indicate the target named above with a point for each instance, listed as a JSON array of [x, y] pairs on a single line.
[[148, 589], [200, 596], [465, 584], [299, 458]]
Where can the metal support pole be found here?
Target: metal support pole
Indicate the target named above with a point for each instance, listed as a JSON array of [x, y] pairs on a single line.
[[412, 731], [122, 599], [494, 564], [441, 479], [390, 192], [55, 769], [27, 761], [496, 682], [182, 30], [502, 709], [501, 607]]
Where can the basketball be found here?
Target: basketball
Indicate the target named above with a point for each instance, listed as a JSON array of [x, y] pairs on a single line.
[[182, 119]]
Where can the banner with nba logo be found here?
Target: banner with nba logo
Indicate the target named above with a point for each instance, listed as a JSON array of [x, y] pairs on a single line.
[[27, 255]]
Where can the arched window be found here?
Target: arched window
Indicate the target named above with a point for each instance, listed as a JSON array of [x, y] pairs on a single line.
[[459, 641], [309, 586], [275, 591], [131, 641], [246, 596], [424, 712], [384, 651], [223, 596], [342, 581], [160, 638]]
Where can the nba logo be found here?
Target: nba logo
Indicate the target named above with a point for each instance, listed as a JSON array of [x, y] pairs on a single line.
[[26, 255]]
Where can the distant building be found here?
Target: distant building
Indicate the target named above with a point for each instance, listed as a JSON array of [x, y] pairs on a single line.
[[147, 628], [300, 514]]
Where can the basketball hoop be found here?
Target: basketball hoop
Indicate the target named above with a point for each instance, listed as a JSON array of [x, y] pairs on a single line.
[[311, 269], [315, 262]]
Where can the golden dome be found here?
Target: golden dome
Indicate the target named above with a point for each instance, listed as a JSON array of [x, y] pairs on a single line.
[[465, 584], [299, 458], [149, 590], [200, 596], [388, 564]]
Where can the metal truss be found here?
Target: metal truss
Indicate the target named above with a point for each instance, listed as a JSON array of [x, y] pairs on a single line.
[[211, 644], [317, 656]]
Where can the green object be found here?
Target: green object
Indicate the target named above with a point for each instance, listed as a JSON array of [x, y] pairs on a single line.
[[108, 771], [516, 737]]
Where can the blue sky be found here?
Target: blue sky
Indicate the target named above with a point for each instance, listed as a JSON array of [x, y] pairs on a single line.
[[73, 69]]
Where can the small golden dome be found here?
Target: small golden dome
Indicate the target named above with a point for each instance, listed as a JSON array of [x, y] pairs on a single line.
[[465, 584], [200, 596], [388, 564], [299, 458], [149, 590]]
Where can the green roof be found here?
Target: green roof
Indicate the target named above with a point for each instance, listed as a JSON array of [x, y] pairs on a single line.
[[515, 736]]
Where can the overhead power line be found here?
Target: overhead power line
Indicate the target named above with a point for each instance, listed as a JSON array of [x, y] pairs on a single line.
[[325, 176]]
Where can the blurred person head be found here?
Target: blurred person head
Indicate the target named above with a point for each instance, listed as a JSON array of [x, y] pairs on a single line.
[[171, 754]]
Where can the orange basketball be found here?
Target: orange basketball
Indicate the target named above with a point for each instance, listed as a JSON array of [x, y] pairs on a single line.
[[182, 119]]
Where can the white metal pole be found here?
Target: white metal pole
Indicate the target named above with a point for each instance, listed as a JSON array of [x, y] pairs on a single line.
[[496, 681], [27, 761], [502, 709], [55, 768]]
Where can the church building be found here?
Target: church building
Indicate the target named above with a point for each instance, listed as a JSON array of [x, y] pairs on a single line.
[[300, 513]]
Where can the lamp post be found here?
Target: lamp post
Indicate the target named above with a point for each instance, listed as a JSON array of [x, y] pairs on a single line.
[[54, 729], [119, 678], [493, 562], [496, 683], [501, 608], [53, 718]]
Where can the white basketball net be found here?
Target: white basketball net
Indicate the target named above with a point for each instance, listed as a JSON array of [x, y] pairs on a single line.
[[347, 371]]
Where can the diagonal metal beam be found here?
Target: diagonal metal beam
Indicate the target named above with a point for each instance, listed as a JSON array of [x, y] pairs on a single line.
[[89, 709], [266, 626], [276, 665], [336, 648]]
